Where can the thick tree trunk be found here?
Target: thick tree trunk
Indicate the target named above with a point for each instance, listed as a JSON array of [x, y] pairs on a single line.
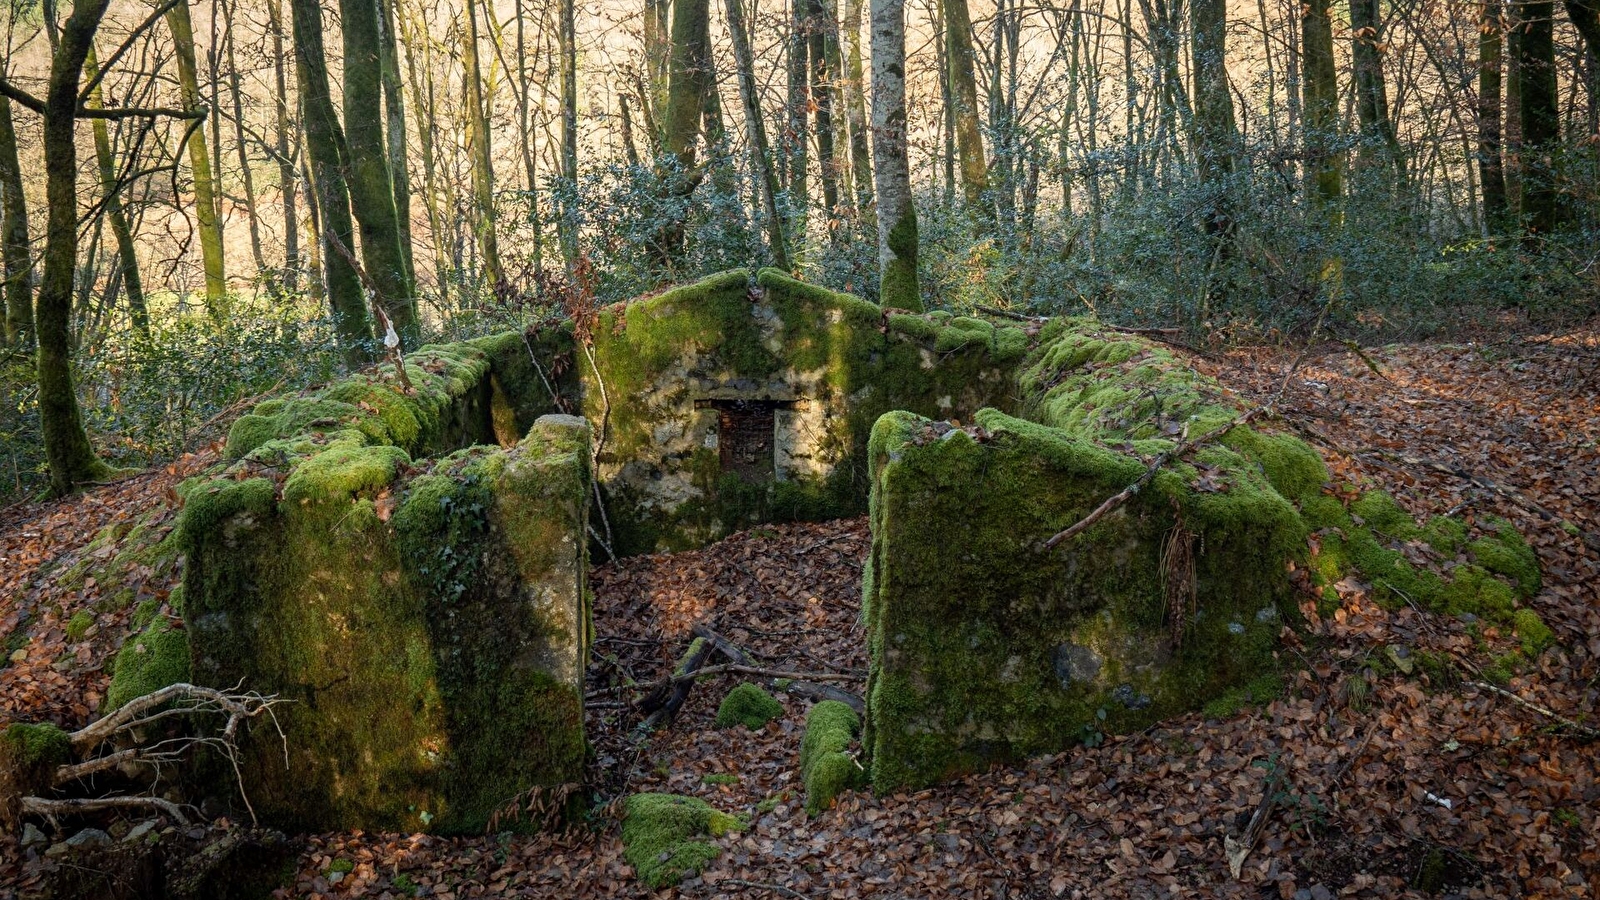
[[756, 135], [370, 181], [16, 272], [1378, 141], [1496, 211], [127, 258], [690, 80], [1216, 138], [897, 216], [206, 208], [1324, 162], [964, 105], [66, 444], [325, 156], [1540, 115], [286, 175], [1585, 15]]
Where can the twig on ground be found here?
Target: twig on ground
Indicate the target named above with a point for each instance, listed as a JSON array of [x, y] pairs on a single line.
[[1582, 730], [763, 886]]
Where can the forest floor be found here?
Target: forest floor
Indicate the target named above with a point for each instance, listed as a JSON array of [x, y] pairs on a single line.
[[1388, 778]]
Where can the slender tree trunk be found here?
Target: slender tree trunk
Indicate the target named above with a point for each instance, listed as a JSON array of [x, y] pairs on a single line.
[[286, 175], [427, 129], [1496, 211], [1324, 162], [657, 64], [1585, 15], [897, 216], [66, 444], [796, 141], [206, 206], [15, 263], [1511, 118], [1379, 142], [824, 52], [394, 109], [1540, 116], [1216, 138], [568, 221], [246, 177], [756, 135], [856, 106], [482, 166], [529, 145], [325, 160], [127, 258], [371, 183], [964, 106]]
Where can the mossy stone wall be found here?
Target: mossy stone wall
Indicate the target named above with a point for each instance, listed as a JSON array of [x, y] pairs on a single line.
[[427, 618], [835, 363], [986, 647]]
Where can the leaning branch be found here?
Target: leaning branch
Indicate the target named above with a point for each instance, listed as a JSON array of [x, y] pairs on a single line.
[[1578, 728]]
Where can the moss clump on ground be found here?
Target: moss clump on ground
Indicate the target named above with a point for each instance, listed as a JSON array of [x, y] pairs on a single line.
[[826, 766], [748, 705], [29, 755], [79, 624], [154, 658], [663, 836]]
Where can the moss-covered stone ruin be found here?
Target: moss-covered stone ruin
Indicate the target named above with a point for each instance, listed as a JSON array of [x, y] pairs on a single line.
[[408, 564]]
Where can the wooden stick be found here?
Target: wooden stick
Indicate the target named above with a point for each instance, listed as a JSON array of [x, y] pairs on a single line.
[[1583, 730], [40, 806]]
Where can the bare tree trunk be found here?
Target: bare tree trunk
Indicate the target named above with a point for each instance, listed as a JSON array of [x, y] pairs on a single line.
[[482, 166], [1372, 97], [796, 142], [756, 134], [1496, 211], [14, 254], [394, 110], [247, 179], [370, 181], [897, 216], [1540, 117], [286, 174], [205, 192], [325, 160], [427, 128], [1324, 164], [127, 258], [1216, 138], [690, 81], [964, 106], [824, 53], [856, 105], [528, 142], [66, 444], [568, 220]]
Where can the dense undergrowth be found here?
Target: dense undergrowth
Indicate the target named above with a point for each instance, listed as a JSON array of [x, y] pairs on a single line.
[[1373, 270]]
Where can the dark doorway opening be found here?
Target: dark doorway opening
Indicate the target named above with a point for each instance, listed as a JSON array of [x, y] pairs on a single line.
[[746, 435]]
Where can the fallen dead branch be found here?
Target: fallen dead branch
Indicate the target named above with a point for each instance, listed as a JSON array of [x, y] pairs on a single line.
[[1580, 729], [1238, 848]]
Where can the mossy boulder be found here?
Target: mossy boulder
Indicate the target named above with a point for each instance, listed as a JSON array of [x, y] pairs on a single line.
[[748, 705], [827, 768], [429, 621], [664, 836]]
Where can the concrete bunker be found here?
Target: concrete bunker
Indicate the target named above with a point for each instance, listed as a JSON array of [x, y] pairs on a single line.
[[410, 565]]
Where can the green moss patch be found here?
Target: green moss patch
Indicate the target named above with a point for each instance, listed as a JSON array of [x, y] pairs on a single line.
[[154, 658], [826, 766], [663, 836], [748, 705], [29, 755]]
